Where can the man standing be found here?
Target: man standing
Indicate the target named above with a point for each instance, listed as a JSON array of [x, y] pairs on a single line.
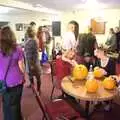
[[90, 43], [117, 33]]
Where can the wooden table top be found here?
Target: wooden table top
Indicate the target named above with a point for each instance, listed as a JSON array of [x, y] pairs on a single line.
[[78, 90]]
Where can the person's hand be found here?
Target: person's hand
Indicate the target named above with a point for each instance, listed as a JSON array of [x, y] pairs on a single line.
[[103, 71], [73, 63]]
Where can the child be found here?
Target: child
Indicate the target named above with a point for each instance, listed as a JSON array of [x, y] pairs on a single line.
[[64, 63]]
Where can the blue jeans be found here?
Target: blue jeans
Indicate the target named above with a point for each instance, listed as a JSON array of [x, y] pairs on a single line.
[[12, 103]]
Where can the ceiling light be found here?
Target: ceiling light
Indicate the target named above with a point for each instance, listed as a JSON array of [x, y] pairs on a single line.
[[91, 4], [5, 9], [39, 5]]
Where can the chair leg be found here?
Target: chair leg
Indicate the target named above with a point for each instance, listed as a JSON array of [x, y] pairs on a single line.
[[63, 94], [52, 92], [44, 117]]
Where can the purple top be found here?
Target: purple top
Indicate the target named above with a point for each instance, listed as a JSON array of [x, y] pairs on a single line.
[[14, 76]]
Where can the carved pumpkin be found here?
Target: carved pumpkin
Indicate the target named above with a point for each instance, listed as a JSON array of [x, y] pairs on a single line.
[[92, 86], [80, 72], [98, 72], [109, 83]]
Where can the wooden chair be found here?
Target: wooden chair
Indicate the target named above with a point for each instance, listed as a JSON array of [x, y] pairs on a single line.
[[55, 82], [57, 110], [53, 76]]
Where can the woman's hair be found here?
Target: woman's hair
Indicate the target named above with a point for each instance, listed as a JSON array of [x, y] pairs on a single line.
[[30, 32], [76, 32], [7, 40], [32, 23], [39, 29]]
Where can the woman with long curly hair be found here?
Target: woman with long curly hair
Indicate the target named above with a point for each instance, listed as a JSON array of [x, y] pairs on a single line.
[[9, 51]]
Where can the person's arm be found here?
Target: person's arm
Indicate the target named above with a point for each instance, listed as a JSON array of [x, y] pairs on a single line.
[[113, 42], [111, 67], [21, 65], [21, 59], [64, 57]]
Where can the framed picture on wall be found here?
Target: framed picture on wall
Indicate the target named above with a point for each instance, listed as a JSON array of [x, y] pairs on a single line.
[[98, 27], [19, 26], [3, 23], [25, 26]]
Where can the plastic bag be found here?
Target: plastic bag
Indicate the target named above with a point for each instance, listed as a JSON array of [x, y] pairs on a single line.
[[44, 57]]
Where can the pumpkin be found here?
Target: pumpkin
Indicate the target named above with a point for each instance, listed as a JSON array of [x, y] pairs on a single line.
[[109, 83], [98, 72], [80, 72], [91, 86]]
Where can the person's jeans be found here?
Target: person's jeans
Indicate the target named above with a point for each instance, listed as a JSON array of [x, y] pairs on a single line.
[[34, 70], [12, 103]]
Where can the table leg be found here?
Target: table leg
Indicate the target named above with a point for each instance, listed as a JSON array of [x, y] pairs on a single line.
[[87, 108]]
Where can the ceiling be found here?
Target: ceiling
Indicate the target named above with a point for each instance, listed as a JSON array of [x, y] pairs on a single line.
[[51, 6], [68, 4], [14, 11]]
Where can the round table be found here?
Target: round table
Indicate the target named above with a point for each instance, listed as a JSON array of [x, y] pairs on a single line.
[[78, 90]]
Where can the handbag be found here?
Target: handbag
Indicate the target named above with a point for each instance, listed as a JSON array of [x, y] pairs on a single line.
[[3, 84]]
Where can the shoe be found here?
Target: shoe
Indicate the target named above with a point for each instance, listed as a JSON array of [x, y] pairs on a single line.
[[107, 108]]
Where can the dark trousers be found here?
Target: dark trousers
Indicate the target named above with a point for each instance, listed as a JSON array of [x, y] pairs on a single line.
[[12, 103], [34, 70]]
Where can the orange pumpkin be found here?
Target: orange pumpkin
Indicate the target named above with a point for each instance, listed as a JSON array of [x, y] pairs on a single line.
[[109, 83], [80, 72], [98, 73], [92, 86]]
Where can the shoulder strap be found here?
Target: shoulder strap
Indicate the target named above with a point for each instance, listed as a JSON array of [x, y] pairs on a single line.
[[9, 63]]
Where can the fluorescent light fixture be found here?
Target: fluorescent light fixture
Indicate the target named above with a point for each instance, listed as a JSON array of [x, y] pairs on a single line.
[[5, 9], [39, 5], [91, 4], [27, 6], [46, 10]]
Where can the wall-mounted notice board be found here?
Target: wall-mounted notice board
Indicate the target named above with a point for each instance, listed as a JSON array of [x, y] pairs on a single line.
[[98, 27]]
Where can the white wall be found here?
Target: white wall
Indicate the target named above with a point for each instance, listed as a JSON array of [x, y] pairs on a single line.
[[26, 18], [111, 16]]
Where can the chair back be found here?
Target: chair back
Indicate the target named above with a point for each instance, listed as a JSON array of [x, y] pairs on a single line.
[[53, 67], [39, 101]]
